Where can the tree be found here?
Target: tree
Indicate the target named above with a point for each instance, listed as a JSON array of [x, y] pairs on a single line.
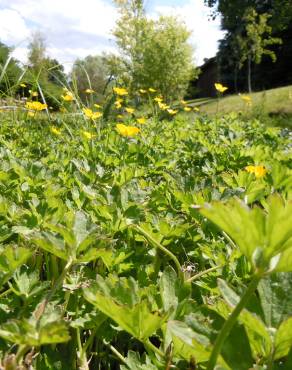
[[256, 40], [91, 72], [37, 52], [154, 53]]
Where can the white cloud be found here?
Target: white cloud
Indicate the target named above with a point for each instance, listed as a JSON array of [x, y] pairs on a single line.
[[12, 27], [75, 28], [205, 33]]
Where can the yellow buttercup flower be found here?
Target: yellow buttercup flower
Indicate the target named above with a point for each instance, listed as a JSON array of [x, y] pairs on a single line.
[[55, 131], [88, 112], [187, 109], [96, 115], [89, 91], [163, 106], [88, 135], [220, 87], [246, 99], [127, 131], [141, 120], [152, 90], [172, 111], [118, 104], [120, 91], [35, 106], [130, 110], [68, 96], [158, 99], [259, 171]]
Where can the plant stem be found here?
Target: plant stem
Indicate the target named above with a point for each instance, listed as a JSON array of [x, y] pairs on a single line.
[[229, 323], [165, 250], [116, 352], [197, 276]]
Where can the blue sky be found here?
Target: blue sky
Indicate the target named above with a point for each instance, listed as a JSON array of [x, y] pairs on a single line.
[[77, 28]]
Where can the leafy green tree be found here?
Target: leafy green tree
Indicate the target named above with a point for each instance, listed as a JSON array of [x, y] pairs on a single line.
[[155, 53], [91, 72], [256, 40]]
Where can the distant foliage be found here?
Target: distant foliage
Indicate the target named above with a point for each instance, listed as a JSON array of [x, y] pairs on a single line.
[[155, 53]]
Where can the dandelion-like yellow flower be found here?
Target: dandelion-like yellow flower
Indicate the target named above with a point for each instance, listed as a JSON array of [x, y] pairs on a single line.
[[120, 91], [23, 85], [127, 131], [220, 87], [259, 171], [158, 99], [88, 135], [89, 91], [87, 112], [141, 120], [246, 99], [35, 106], [96, 115], [130, 110], [163, 106], [33, 93], [55, 131], [118, 104], [68, 96], [152, 90], [187, 109], [172, 111]]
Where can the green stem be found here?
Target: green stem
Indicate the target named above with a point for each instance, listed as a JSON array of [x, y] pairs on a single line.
[[229, 323], [116, 352], [197, 276], [57, 284], [163, 249]]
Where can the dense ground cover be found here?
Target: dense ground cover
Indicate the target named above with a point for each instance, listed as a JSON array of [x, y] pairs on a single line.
[[110, 256]]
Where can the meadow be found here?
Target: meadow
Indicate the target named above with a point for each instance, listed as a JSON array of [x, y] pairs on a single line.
[[144, 242]]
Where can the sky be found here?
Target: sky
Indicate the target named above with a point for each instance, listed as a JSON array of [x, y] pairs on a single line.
[[77, 28]]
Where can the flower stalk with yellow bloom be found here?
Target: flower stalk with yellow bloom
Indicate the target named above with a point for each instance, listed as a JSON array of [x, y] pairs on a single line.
[[220, 89]]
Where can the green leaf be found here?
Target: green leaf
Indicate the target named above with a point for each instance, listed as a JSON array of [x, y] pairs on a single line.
[[283, 339], [262, 233], [275, 300], [258, 335], [25, 332], [136, 320]]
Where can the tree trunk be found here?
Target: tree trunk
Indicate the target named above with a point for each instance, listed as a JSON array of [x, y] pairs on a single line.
[[235, 74], [249, 74]]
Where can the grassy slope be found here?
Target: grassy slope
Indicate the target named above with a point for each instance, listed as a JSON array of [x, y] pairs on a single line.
[[276, 103]]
